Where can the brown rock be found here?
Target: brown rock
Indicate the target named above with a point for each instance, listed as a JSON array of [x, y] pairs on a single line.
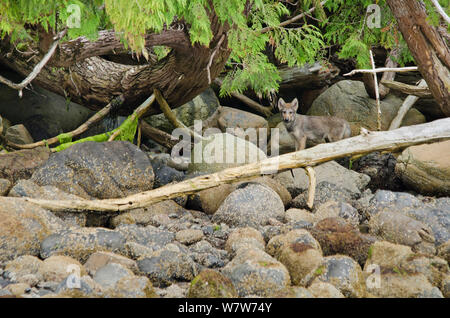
[[100, 259], [21, 164]]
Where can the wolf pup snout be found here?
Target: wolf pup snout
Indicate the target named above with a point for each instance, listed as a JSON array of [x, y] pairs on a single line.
[[317, 129]]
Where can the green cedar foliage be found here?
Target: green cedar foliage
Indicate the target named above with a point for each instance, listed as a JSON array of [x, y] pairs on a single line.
[[338, 22]]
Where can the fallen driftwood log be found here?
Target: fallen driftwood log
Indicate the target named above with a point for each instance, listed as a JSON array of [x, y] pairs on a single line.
[[366, 143]]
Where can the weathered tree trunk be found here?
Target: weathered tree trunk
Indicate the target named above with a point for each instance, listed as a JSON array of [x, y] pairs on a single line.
[[362, 144], [78, 71], [428, 47]]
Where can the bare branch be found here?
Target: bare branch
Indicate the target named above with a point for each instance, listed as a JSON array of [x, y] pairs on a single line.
[[377, 92], [37, 68], [441, 11], [208, 67], [422, 91], [384, 69]]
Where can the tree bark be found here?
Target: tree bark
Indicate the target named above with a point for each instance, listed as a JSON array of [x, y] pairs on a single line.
[[427, 46], [366, 143], [78, 71]]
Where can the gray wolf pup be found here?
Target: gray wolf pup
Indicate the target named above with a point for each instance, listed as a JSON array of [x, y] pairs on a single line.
[[317, 129]]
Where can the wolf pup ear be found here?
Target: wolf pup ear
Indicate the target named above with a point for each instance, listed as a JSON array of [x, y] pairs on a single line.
[[294, 104], [281, 103]]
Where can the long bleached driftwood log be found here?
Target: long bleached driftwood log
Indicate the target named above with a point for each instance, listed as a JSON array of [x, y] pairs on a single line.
[[393, 140]]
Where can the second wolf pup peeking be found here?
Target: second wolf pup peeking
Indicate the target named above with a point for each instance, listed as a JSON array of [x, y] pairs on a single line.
[[318, 129]]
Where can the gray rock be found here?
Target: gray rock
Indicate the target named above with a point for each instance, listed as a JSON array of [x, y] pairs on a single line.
[[189, 236], [426, 168], [27, 188], [23, 226], [254, 272], [98, 170], [108, 275], [244, 238], [400, 229], [252, 205], [147, 236], [73, 287], [350, 101], [5, 185], [209, 200], [99, 259], [342, 272], [167, 266], [206, 255], [220, 151], [132, 287], [80, 243], [432, 212], [325, 192], [200, 108], [18, 134]]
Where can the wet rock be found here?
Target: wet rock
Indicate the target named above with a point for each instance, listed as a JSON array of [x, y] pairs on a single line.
[[324, 290], [426, 168], [80, 243], [18, 134], [211, 284], [342, 272], [246, 237], [5, 185], [98, 170], [168, 265], [380, 167], [252, 205], [23, 163], [336, 236], [100, 259], [58, 267], [253, 272], [23, 226], [165, 174]]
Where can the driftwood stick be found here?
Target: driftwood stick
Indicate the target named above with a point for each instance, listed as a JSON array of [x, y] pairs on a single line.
[[117, 101], [441, 11], [372, 141], [312, 186], [384, 69], [266, 111], [37, 68], [165, 108], [208, 67], [377, 92], [419, 91], [407, 104], [161, 137]]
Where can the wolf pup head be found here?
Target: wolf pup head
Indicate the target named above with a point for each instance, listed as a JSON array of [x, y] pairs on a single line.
[[288, 110]]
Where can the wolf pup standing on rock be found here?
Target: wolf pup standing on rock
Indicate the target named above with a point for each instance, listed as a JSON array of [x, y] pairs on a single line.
[[318, 129]]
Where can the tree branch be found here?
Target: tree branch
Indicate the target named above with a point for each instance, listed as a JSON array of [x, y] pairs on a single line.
[[384, 69], [441, 11], [37, 68]]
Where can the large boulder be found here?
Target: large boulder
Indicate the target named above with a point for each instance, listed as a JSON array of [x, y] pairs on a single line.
[[426, 168], [200, 108], [220, 151], [349, 100], [23, 226], [98, 170], [250, 205]]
